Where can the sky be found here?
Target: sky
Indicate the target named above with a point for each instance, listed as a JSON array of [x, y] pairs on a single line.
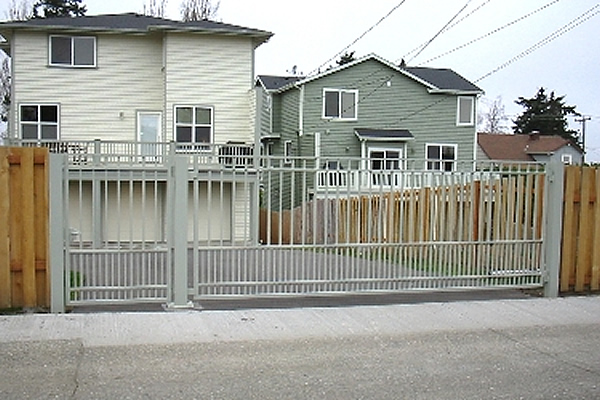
[[514, 61]]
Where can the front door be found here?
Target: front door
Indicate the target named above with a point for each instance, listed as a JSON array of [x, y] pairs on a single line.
[[149, 133]]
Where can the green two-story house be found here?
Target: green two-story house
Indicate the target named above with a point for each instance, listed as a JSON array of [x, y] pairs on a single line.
[[369, 115]]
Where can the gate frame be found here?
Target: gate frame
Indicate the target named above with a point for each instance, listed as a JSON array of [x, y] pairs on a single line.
[[553, 225], [177, 186]]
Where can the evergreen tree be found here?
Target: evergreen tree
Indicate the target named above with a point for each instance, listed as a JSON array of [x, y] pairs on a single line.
[[58, 8], [545, 114]]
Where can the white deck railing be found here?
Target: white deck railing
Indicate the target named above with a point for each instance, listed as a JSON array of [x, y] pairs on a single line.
[[106, 153]]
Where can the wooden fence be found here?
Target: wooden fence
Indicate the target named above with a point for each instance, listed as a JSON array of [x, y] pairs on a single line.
[[23, 227], [506, 208], [580, 268]]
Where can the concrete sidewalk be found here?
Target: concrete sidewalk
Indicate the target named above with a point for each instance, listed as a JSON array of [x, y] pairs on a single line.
[[143, 328]]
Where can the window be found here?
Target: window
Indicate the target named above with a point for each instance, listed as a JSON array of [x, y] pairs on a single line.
[[339, 104], [440, 157], [73, 51], [287, 152], [385, 159], [567, 159], [466, 111], [194, 125], [39, 121]]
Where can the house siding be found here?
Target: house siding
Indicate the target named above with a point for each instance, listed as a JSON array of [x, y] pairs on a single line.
[[95, 103], [401, 104], [211, 71]]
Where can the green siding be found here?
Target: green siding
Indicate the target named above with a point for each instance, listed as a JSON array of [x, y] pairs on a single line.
[[401, 104]]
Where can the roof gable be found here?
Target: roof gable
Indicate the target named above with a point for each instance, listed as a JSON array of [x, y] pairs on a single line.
[[435, 80]]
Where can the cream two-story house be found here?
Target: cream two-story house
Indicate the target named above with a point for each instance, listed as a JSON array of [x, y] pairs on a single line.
[[98, 87]]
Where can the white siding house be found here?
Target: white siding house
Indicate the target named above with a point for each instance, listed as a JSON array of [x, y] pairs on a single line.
[[99, 83]]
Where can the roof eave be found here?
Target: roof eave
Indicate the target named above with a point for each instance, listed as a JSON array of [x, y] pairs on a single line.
[[384, 139], [456, 92]]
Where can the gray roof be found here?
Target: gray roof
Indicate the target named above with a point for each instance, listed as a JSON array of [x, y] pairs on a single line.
[[134, 23], [383, 134], [271, 82], [435, 79], [442, 78]]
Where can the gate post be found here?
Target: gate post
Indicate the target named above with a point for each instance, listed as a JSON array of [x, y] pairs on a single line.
[[555, 172], [178, 294], [57, 229]]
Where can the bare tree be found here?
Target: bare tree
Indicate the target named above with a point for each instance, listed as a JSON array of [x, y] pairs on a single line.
[[5, 86], [19, 10], [198, 10], [494, 119], [155, 8]]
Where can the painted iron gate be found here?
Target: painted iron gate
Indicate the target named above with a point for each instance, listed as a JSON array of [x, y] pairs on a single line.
[[180, 228]]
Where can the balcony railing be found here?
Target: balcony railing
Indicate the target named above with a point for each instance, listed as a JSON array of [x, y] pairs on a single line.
[[107, 153]]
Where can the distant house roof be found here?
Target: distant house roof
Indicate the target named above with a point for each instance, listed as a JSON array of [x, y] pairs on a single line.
[[436, 80], [133, 23], [520, 147], [270, 82], [384, 134]]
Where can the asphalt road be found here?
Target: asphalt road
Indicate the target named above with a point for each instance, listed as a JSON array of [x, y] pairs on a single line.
[[507, 349]]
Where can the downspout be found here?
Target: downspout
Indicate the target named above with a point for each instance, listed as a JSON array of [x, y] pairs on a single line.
[[301, 112], [475, 141], [164, 96]]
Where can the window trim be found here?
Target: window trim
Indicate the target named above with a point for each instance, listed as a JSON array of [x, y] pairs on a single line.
[[72, 63], [339, 116], [401, 160], [440, 160], [471, 113], [566, 159], [194, 125], [38, 123]]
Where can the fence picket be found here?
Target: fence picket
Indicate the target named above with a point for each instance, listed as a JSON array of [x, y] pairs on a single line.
[[5, 228]]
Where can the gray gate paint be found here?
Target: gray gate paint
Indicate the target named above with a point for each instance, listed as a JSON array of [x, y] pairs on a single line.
[[193, 269]]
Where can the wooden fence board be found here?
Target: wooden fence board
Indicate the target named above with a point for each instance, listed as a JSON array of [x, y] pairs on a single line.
[[595, 280], [580, 266], [24, 221], [5, 273], [569, 227]]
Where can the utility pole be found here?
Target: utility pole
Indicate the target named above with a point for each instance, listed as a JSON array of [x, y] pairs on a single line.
[[583, 120]]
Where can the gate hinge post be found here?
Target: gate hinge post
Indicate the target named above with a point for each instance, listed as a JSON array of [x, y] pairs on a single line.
[[553, 226], [57, 182], [178, 295]]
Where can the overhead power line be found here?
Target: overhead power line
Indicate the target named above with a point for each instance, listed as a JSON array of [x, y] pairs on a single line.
[[490, 33], [554, 35], [439, 32], [316, 70], [472, 12]]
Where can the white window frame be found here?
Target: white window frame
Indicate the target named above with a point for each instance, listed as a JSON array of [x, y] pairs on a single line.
[[471, 121], [385, 150], [566, 159], [193, 125], [39, 123], [340, 93], [72, 63], [440, 160]]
